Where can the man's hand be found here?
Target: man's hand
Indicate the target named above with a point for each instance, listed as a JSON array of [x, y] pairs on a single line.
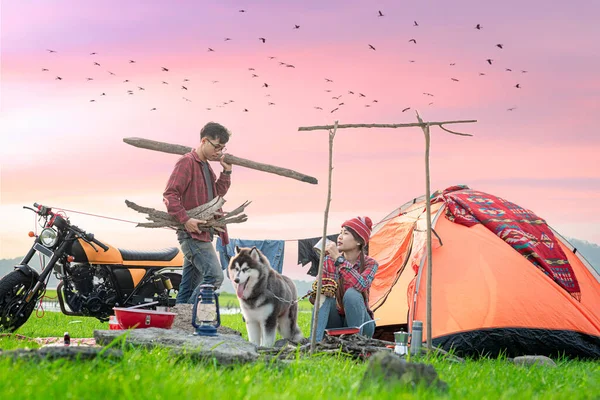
[[331, 250], [192, 225], [226, 167]]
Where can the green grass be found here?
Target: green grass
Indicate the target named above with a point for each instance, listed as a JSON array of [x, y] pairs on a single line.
[[154, 374]]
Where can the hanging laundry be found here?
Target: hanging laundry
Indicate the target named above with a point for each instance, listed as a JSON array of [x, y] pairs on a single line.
[[272, 249], [307, 254]]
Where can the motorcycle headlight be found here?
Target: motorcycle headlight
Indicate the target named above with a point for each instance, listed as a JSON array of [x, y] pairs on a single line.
[[48, 237]]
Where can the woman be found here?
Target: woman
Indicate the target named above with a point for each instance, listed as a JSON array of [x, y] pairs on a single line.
[[347, 276]]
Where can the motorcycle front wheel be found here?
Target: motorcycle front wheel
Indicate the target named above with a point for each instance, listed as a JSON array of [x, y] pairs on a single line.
[[13, 310]]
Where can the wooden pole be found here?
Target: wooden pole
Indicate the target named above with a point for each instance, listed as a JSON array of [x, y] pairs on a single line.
[[428, 216], [313, 334], [229, 158], [343, 126]]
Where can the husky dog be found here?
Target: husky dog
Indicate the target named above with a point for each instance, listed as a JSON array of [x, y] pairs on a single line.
[[267, 298]]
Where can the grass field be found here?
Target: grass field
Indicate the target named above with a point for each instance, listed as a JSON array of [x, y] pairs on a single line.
[[154, 374]]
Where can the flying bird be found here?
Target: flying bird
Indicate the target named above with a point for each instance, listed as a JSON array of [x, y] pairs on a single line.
[[95, 63], [296, 26], [265, 85], [165, 83], [500, 45], [186, 99], [215, 81], [245, 110], [523, 71], [415, 23], [512, 108], [455, 80], [165, 69], [242, 11], [481, 74], [89, 79], [478, 26], [251, 69], [93, 54], [209, 49], [289, 66], [452, 64], [91, 101], [131, 62], [262, 39], [518, 86], [317, 108], [361, 95], [427, 94], [489, 60], [112, 73], [413, 40], [406, 109], [508, 70], [153, 109], [380, 14], [45, 69], [371, 47], [183, 87], [272, 57], [103, 94], [328, 90], [335, 109], [271, 104], [367, 105], [350, 92], [141, 88], [254, 76], [58, 78], [375, 101], [328, 80], [126, 80], [186, 80], [51, 51], [226, 39]]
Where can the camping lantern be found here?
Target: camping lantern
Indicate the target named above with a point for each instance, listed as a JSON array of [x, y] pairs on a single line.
[[206, 317]]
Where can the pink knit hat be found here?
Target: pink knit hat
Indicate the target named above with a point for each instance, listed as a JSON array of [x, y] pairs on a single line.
[[361, 225]]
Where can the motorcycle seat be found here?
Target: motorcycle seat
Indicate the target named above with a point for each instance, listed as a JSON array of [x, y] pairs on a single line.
[[166, 254]]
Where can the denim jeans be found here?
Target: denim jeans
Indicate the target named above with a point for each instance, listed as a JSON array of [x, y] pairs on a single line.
[[200, 267], [356, 314]]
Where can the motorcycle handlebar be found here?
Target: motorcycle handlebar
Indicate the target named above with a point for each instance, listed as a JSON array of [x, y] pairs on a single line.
[[100, 244]]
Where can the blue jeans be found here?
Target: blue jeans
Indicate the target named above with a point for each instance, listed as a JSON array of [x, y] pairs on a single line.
[[200, 267], [356, 314]]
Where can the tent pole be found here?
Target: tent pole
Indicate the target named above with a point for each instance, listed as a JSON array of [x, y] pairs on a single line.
[[428, 210]]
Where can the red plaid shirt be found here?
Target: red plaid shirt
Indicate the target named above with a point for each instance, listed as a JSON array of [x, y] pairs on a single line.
[[187, 189], [352, 277]]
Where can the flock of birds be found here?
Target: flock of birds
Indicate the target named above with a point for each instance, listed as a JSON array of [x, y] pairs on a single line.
[[184, 86]]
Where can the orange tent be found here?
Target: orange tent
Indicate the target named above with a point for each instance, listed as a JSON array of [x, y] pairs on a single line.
[[487, 298]]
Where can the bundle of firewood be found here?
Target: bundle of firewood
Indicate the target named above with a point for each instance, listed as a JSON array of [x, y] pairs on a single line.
[[208, 212]]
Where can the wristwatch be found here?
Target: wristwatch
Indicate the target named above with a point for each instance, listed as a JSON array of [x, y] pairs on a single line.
[[338, 261], [227, 172]]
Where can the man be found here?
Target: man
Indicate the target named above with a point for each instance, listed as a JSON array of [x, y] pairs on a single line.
[[193, 183]]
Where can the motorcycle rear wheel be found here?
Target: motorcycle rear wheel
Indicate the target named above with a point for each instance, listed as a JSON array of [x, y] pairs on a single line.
[[13, 289]]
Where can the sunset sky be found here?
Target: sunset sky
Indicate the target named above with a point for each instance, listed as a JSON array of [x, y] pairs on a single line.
[[60, 149]]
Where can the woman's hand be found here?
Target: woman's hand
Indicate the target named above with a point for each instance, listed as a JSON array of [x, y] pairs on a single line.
[[331, 250]]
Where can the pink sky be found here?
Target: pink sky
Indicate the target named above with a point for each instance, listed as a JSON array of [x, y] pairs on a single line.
[[58, 148]]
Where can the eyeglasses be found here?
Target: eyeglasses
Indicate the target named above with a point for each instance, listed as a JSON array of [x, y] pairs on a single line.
[[217, 147]]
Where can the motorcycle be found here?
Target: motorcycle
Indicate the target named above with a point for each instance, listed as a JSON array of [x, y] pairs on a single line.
[[91, 281]]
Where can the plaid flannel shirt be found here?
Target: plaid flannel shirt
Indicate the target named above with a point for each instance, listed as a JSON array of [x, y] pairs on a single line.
[[187, 189], [352, 278]]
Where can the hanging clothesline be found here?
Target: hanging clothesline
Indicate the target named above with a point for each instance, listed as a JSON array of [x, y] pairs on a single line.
[[60, 209]]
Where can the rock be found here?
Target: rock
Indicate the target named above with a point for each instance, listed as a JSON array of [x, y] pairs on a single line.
[[226, 349], [388, 367], [534, 360], [183, 320], [68, 352]]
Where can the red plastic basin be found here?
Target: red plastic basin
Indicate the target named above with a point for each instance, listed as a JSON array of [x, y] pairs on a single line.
[[139, 319], [342, 331]]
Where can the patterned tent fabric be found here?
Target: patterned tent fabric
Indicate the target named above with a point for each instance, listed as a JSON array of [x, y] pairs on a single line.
[[522, 229]]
